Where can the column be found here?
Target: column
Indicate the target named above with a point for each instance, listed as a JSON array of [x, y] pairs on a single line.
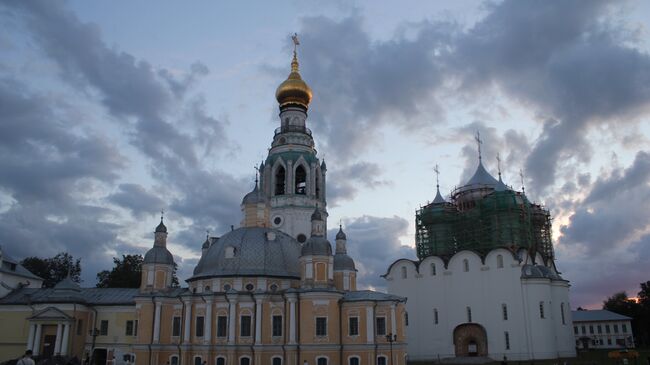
[[292, 321], [208, 321], [156, 323], [370, 325], [57, 341], [258, 321], [37, 340], [64, 340], [30, 339], [188, 321], [393, 320], [232, 320]]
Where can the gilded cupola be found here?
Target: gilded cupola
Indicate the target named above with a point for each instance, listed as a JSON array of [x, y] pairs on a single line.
[[294, 91]]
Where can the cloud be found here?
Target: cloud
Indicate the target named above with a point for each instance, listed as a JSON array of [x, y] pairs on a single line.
[[373, 243], [345, 181], [136, 198]]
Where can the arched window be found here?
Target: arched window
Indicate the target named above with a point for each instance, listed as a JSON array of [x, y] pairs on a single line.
[[504, 311], [301, 181], [245, 361], [276, 361], [321, 361], [198, 360], [403, 272], [499, 262], [280, 177], [317, 185], [173, 360], [465, 265], [353, 360], [381, 360], [435, 316], [221, 360], [433, 269]]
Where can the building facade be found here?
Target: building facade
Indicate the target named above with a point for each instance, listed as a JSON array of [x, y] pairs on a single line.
[[273, 291], [602, 329], [485, 283]]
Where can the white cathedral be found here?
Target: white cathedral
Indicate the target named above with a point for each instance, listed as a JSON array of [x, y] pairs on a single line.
[[485, 283]]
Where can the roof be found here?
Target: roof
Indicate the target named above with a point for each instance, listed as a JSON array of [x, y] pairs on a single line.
[[19, 270], [366, 295], [597, 315], [481, 177], [343, 262], [251, 251], [438, 199], [158, 255], [96, 296], [316, 246]]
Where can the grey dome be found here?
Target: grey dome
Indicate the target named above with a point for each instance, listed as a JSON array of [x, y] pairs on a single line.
[[482, 177], [158, 255], [343, 262], [438, 199], [316, 246], [539, 271], [341, 235], [253, 197], [251, 251], [161, 227]]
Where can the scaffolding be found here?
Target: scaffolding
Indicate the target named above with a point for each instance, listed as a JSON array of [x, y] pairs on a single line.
[[482, 222]]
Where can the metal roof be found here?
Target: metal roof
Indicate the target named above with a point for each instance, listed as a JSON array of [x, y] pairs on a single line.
[[364, 295], [93, 296], [597, 315], [18, 270]]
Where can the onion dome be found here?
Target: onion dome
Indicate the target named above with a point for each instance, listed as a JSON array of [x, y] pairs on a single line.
[[158, 255], [323, 166], [251, 251], [481, 178], [316, 216], [343, 262], [341, 235], [294, 91], [161, 227], [316, 246], [253, 197]]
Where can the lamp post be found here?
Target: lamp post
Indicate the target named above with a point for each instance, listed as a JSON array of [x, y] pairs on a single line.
[[391, 338]]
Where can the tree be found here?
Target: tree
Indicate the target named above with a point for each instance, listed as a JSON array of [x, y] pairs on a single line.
[[621, 304], [54, 269], [127, 273]]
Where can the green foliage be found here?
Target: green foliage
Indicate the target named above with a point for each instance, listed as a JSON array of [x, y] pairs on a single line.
[[127, 273], [638, 311], [54, 269]]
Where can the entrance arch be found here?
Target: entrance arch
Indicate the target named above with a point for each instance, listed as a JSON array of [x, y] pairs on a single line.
[[470, 339]]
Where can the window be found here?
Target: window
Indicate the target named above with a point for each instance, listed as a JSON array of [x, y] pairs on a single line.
[[499, 262], [541, 310], [199, 326], [321, 326], [575, 330], [176, 326], [435, 316], [381, 326], [624, 328], [245, 361], [353, 326], [103, 328], [562, 313], [321, 361], [403, 272], [609, 341], [469, 314], [406, 318], [222, 323], [129, 328], [504, 311], [80, 325], [353, 361], [280, 181], [433, 269], [301, 181], [277, 326], [250, 287], [584, 330], [129, 358], [606, 329], [591, 329], [221, 361], [173, 360], [600, 329], [615, 328], [198, 360], [277, 361], [245, 326], [465, 265], [135, 327], [381, 360], [507, 338]]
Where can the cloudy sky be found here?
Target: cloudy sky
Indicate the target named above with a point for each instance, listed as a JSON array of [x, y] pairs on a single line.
[[112, 111]]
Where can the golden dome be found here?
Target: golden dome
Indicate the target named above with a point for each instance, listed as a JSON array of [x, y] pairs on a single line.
[[293, 90]]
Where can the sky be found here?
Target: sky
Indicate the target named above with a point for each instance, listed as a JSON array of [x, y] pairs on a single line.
[[111, 111]]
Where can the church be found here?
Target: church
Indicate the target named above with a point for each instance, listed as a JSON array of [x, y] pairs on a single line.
[[273, 291], [485, 283]]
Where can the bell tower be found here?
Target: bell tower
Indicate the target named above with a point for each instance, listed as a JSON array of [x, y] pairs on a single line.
[[292, 178]]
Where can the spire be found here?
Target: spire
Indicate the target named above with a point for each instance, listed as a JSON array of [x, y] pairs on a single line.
[[341, 235], [438, 199], [294, 61], [161, 227]]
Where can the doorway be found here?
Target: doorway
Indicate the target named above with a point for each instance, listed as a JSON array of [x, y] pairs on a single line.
[[99, 357], [48, 346], [470, 339]]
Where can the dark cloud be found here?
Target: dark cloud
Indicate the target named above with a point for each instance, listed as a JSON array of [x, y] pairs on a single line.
[[373, 243], [344, 182], [137, 199]]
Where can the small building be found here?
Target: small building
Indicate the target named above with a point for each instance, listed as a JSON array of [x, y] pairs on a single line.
[[13, 275], [602, 329]]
